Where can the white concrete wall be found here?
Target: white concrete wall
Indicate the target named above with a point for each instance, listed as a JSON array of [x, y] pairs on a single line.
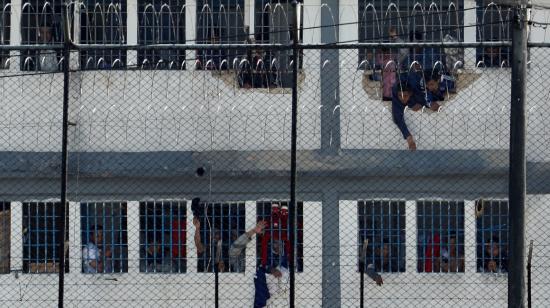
[[468, 289], [194, 111], [197, 110], [134, 289]]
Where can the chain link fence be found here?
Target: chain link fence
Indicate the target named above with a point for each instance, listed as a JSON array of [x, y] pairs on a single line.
[[179, 178]]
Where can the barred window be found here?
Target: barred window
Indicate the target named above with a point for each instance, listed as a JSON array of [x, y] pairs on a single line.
[[273, 247], [220, 225], [162, 237], [494, 24], [273, 25], [104, 237], [219, 22], [409, 21], [41, 24], [492, 235], [5, 32], [103, 22], [382, 234], [161, 22], [5, 231], [42, 235], [440, 236]]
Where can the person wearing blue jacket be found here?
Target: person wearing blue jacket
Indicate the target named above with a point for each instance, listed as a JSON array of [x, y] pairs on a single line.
[[401, 96], [425, 90]]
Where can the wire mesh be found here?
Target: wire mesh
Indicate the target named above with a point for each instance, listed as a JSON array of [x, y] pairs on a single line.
[[179, 178]]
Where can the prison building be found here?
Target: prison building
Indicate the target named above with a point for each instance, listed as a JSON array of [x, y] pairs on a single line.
[[144, 120]]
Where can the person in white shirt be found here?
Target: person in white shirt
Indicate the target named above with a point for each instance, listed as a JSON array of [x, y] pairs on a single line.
[[93, 258], [47, 59]]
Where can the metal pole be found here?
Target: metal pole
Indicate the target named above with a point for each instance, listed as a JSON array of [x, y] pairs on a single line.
[[64, 158], [216, 288], [517, 177], [292, 205], [362, 264], [529, 257]]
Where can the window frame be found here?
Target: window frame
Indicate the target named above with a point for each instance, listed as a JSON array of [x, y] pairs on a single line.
[[219, 59], [482, 240], [269, 73], [46, 264], [118, 246], [5, 237], [263, 212], [378, 237], [217, 221], [30, 27], [5, 28], [112, 58], [451, 20], [427, 208], [504, 53], [161, 59], [158, 210]]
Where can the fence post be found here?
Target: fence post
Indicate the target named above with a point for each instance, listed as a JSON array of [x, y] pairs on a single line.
[[517, 177], [292, 205], [64, 155]]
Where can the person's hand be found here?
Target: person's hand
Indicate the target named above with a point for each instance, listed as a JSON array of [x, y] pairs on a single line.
[[435, 106], [416, 107], [221, 267], [277, 273], [379, 280], [492, 266], [411, 143], [260, 227], [196, 223]]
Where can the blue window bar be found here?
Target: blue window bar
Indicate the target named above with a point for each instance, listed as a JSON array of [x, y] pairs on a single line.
[[494, 23], [104, 237], [103, 22], [273, 25], [161, 22], [5, 14], [440, 236], [42, 235], [382, 234], [41, 24], [492, 235], [220, 225], [273, 247], [162, 237], [220, 22], [408, 21], [5, 231]]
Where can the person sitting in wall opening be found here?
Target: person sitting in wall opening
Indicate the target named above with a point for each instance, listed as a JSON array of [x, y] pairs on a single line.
[[433, 92], [425, 88], [94, 258], [495, 259]]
